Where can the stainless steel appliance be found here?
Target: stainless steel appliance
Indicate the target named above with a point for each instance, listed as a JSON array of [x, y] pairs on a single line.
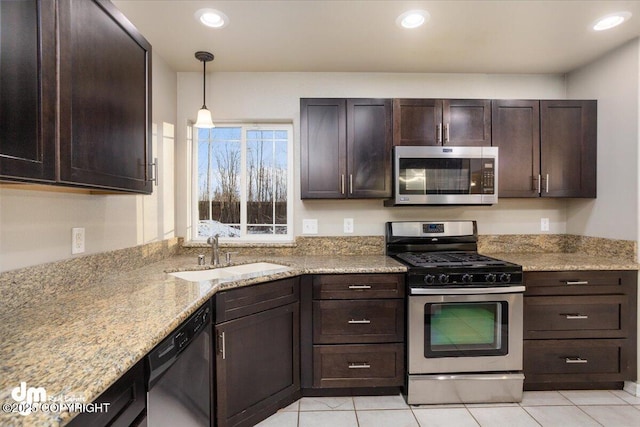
[[464, 316], [179, 375], [440, 175]]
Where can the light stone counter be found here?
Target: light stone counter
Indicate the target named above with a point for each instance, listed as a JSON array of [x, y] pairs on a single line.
[[565, 261], [77, 341]]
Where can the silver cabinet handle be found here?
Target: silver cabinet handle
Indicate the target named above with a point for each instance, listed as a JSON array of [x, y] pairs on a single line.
[[539, 184], [341, 183], [576, 316], [446, 133], [359, 365], [359, 322], [223, 346], [574, 360], [576, 282], [155, 171], [350, 183], [359, 286], [439, 133], [546, 183]]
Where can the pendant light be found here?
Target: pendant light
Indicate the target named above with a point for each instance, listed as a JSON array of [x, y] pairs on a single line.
[[204, 115]]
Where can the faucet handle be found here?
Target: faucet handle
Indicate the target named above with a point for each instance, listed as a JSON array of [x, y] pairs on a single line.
[[227, 256]]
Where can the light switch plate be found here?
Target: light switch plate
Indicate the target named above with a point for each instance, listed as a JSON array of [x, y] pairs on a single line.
[[77, 240], [544, 224], [309, 226]]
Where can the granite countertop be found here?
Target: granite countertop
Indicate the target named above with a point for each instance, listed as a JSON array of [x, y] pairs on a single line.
[[76, 343], [565, 261]]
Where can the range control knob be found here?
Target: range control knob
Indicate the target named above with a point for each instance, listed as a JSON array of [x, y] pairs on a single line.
[[443, 278], [490, 278], [505, 277], [467, 278], [429, 279]]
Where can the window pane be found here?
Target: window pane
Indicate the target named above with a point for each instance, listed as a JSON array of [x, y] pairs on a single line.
[[219, 182], [266, 180]]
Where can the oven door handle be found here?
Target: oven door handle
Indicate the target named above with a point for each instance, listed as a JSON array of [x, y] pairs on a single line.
[[467, 291]]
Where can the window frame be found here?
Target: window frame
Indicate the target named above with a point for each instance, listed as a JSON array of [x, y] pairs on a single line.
[[194, 190]]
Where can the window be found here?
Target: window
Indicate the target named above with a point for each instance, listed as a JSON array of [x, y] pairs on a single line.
[[242, 185]]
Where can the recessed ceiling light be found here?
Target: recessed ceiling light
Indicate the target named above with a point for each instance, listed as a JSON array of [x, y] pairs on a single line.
[[413, 18], [612, 20], [212, 18]]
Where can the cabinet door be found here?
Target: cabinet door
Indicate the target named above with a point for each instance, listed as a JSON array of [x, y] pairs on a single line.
[[568, 148], [417, 122], [369, 148], [105, 98], [466, 122], [27, 90], [323, 148], [516, 131], [257, 365]]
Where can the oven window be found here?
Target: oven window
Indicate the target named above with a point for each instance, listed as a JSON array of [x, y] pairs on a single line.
[[434, 176], [466, 329]]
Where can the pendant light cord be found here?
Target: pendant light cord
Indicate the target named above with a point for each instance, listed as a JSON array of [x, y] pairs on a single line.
[[204, 83]]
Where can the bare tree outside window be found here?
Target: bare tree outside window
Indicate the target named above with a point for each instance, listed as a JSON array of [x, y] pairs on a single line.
[[222, 205]]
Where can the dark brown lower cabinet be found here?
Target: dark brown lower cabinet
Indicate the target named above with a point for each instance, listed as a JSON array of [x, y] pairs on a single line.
[[353, 332], [579, 329], [126, 399], [257, 361]]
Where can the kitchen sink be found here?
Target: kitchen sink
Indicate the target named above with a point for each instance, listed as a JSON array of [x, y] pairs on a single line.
[[237, 271]]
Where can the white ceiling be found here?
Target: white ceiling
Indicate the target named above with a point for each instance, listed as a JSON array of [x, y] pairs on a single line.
[[480, 36]]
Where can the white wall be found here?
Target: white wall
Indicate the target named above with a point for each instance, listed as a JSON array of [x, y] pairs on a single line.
[[35, 226], [276, 96], [614, 80]]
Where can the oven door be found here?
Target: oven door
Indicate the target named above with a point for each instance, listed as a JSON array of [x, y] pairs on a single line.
[[465, 330]]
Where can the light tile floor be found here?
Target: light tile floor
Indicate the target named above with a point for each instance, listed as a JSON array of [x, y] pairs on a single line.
[[582, 408]]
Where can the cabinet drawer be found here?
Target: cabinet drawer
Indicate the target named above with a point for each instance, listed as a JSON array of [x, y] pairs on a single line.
[[576, 316], [364, 365], [359, 321], [578, 282], [358, 286], [248, 300], [572, 357]]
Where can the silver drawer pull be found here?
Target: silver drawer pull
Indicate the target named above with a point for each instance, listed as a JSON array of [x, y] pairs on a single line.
[[359, 322], [358, 365], [574, 360], [576, 282], [576, 316], [359, 286]]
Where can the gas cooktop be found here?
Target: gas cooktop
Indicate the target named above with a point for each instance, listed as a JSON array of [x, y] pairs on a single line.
[[444, 254]]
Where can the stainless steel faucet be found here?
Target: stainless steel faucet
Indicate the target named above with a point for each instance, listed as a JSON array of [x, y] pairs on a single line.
[[215, 250]]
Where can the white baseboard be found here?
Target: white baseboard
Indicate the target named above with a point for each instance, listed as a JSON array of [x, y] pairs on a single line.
[[632, 387]]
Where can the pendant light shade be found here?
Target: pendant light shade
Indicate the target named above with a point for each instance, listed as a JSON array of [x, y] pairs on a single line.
[[204, 115]]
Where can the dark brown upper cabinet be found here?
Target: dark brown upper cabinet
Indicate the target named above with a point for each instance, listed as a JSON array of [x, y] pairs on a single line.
[[345, 148], [102, 67], [27, 90], [460, 122], [547, 148], [105, 98]]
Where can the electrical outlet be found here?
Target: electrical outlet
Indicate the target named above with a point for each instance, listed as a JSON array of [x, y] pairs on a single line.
[[309, 226], [77, 241], [544, 224], [348, 225]]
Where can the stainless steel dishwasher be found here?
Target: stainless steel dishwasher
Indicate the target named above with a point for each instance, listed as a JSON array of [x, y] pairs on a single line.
[[179, 375]]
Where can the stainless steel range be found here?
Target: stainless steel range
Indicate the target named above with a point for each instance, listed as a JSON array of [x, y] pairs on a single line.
[[464, 316]]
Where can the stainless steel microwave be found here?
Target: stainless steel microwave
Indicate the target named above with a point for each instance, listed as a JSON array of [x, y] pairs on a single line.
[[438, 175]]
